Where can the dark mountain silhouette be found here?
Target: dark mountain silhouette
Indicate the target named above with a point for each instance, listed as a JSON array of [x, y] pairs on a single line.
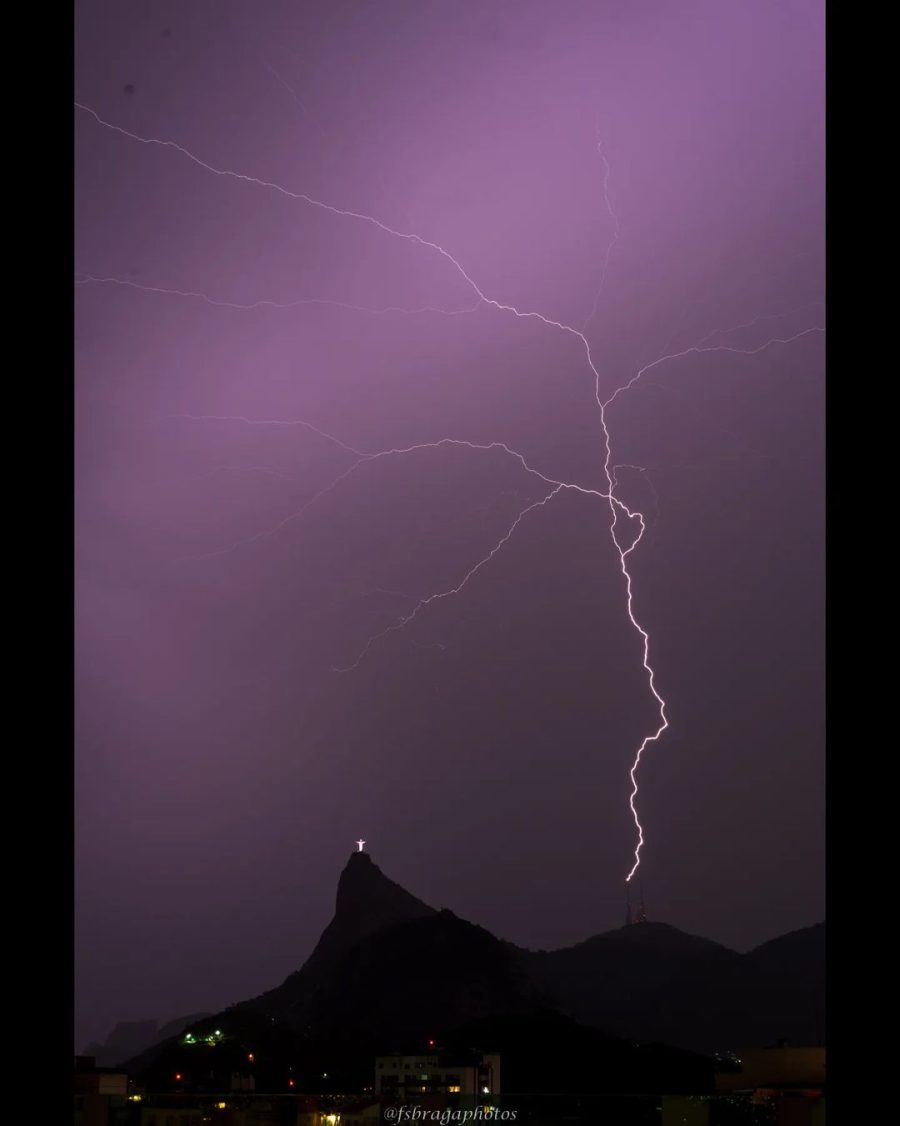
[[801, 951], [793, 970], [367, 902], [176, 1027], [546, 1053], [651, 981], [390, 971], [129, 1038], [542, 1052], [406, 982]]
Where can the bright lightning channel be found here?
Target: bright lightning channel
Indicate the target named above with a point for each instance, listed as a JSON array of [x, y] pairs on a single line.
[[616, 506]]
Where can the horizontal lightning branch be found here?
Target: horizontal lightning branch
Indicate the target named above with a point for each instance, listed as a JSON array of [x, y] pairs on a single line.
[[397, 451], [89, 279]]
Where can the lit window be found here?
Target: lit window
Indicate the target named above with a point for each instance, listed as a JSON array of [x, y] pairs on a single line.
[[454, 1090]]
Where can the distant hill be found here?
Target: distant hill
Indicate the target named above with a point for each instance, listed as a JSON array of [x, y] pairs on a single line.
[[130, 1038], [650, 981], [390, 971], [801, 951]]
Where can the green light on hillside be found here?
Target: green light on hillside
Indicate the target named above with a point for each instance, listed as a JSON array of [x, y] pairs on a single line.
[[212, 1038]]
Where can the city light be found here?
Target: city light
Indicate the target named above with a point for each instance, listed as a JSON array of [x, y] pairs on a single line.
[[178, 1076], [211, 1038]]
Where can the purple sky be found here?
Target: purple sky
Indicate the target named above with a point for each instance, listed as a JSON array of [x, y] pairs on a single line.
[[223, 768]]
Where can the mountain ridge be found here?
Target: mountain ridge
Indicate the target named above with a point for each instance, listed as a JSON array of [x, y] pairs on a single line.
[[389, 966]]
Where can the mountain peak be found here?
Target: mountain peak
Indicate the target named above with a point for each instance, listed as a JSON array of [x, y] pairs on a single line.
[[389, 966], [360, 872], [367, 900], [663, 938]]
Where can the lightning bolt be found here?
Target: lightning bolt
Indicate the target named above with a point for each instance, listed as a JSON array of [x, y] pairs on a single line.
[[396, 451], [618, 510], [470, 574], [88, 279], [287, 86], [287, 422], [617, 230], [626, 551]]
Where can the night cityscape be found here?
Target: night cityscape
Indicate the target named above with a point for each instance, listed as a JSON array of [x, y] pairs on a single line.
[[449, 563]]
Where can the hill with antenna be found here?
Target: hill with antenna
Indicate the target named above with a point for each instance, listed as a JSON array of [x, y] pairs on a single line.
[[390, 970]]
